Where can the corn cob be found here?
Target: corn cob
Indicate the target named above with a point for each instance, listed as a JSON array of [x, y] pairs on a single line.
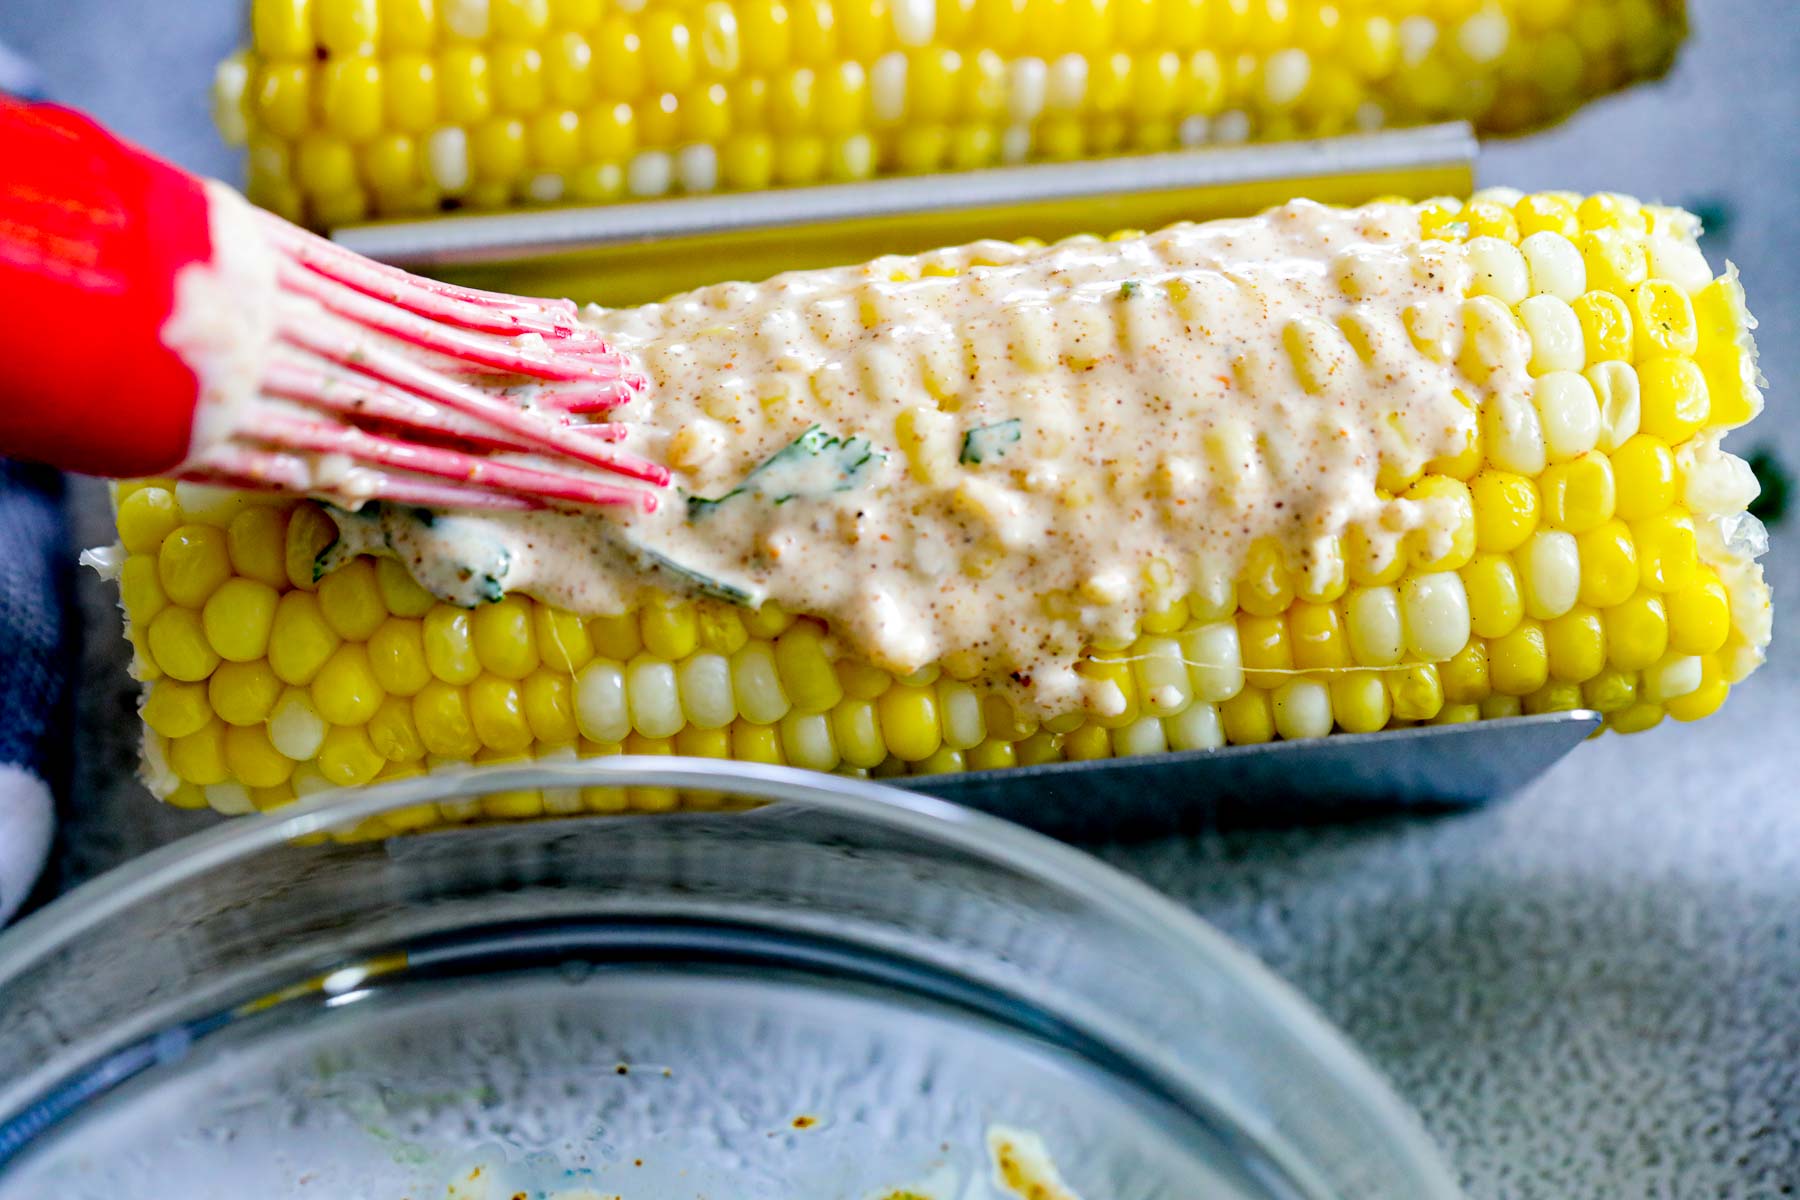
[[353, 107], [1593, 552]]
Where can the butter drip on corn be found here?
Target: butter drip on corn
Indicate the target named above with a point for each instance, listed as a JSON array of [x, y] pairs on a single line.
[[353, 107], [1576, 538]]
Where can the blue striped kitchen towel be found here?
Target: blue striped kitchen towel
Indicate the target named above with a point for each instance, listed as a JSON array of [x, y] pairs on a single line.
[[34, 675]]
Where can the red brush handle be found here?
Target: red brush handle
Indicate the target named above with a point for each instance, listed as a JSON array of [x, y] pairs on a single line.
[[92, 233]]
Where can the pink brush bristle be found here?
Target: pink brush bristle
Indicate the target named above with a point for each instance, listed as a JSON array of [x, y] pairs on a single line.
[[433, 393]]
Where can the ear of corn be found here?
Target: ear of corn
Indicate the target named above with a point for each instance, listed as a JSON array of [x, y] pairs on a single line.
[[353, 107], [1598, 556]]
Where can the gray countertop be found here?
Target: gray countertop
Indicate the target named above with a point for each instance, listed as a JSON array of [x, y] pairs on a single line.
[[1592, 989]]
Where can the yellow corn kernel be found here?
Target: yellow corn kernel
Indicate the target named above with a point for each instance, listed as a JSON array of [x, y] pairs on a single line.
[[1606, 328], [309, 532], [397, 656], [393, 733], [1416, 691], [768, 621], [1518, 662], [256, 540], [140, 589], [347, 92], [1464, 675], [1359, 701], [549, 703], [1372, 562], [1264, 586], [1449, 540], [909, 719], [1554, 697], [175, 709], [243, 693], [1496, 598], [1578, 495], [1663, 321], [670, 632], [806, 673], [856, 728], [347, 758], [441, 715], [1609, 568], [1087, 742], [1113, 675], [616, 637], [1699, 615], [1317, 637], [1672, 398], [238, 618], [450, 645], [345, 691], [756, 743], [1667, 550], [179, 646], [1636, 718], [192, 562], [1616, 262], [503, 637], [1637, 631], [401, 595], [721, 629], [562, 639], [1248, 717], [252, 760], [350, 599], [146, 517], [1576, 644], [1644, 476], [497, 713], [1506, 508], [1266, 649], [1610, 690], [199, 757], [300, 639]]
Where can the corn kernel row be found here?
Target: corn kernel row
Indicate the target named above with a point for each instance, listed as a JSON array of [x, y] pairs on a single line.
[[353, 107]]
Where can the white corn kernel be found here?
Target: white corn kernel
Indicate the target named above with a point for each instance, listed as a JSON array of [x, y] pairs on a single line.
[[601, 712], [1555, 332], [295, 727], [1372, 619], [1555, 264], [1568, 412], [1302, 709], [1027, 88], [1549, 565], [1615, 387], [1674, 676], [1513, 435], [1435, 609], [1143, 736], [1162, 678], [1196, 727], [1497, 269], [1215, 665], [704, 680]]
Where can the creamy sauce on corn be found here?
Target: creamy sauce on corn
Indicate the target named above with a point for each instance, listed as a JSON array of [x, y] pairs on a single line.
[[1062, 437]]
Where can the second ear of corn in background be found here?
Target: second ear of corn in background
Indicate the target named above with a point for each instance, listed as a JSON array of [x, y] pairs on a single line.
[[1577, 576], [353, 108]]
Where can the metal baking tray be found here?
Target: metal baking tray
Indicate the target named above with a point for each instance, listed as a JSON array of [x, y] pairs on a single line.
[[633, 252]]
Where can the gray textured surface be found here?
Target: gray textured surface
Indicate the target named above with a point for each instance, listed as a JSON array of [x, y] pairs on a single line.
[[1592, 990]]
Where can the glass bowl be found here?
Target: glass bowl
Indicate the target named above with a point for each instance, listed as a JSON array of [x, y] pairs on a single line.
[[846, 991]]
